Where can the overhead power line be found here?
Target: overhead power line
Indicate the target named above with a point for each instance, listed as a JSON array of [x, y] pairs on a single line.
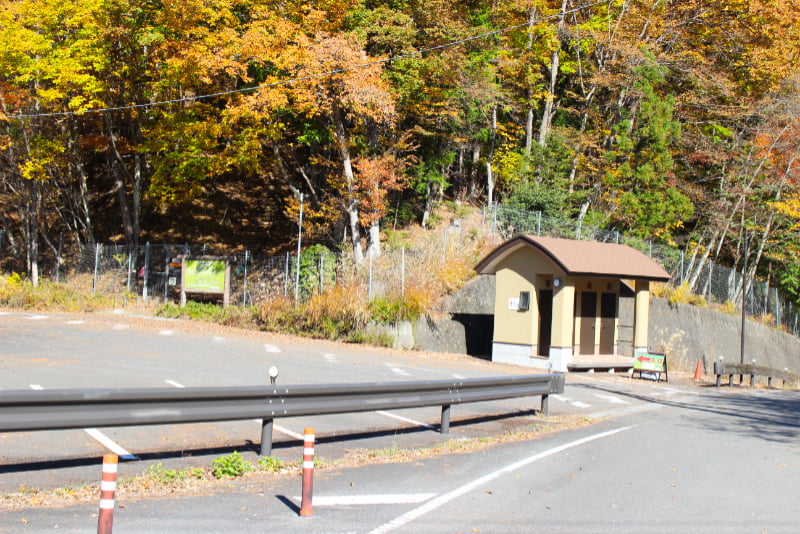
[[310, 76]]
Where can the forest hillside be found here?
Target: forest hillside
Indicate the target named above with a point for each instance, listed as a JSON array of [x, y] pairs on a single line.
[[213, 121]]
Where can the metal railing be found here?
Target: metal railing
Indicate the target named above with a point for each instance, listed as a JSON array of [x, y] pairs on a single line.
[[24, 410]]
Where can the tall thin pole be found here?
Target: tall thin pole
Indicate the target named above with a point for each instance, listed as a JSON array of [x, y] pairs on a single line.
[[744, 291], [299, 242]]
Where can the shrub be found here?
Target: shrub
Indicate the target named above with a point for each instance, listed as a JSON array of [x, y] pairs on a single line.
[[230, 466]]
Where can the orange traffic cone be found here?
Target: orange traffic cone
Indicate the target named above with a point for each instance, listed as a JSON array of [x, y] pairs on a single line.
[[698, 371]]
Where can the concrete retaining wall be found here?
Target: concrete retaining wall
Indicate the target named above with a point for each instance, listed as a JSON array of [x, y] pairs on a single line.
[[686, 333]]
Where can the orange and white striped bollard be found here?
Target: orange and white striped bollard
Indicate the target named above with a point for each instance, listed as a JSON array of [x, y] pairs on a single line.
[[308, 472], [108, 486]]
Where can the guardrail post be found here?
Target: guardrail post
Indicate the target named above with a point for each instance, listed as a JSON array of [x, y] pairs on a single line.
[[545, 404], [306, 508], [108, 486], [769, 381], [266, 437], [444, 427]]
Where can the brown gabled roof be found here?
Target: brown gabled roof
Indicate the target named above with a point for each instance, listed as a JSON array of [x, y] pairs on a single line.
[[581, 258]]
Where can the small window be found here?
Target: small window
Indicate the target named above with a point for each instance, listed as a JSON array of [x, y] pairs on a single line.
[[524, 300]]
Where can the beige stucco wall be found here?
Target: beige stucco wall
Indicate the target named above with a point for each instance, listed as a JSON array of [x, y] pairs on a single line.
[[522, 270]]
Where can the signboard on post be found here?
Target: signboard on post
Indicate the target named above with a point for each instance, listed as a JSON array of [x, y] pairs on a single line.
[[651, 365], [205, 275]]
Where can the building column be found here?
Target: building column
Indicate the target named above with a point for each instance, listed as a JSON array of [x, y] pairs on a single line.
[[641, 316], [562, 330]]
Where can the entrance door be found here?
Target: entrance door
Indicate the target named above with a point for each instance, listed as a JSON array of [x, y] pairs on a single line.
[[608, 323], [588, 321], [545, 320]]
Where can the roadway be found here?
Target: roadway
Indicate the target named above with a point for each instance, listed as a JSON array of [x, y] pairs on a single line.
[[660, 458]]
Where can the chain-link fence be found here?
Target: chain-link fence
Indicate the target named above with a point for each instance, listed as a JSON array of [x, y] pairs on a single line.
[[152, 271]]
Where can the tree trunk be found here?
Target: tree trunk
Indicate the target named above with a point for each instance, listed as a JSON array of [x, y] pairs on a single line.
[[351, 202], [550, 106], [120, 173], [374, 246]]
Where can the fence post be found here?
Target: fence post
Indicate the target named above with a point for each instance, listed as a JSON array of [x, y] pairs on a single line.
[[58, 257], [146, 270], [306, 506], [539, 223], [444, 428], [286, 277], [130, 268], [369, 282], [167, 254], [403, 272], [244, 286], [108, 487], [96, 261]]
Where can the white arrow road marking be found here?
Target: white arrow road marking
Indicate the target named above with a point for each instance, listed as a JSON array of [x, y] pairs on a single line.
[[101, 438], [441, 500], [401, 418], [347, 500], [611, 398]]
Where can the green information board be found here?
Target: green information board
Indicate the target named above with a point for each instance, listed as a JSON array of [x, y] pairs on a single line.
[[651, 365], [207, 276]]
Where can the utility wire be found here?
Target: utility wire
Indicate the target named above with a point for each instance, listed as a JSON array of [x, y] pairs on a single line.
[[310, 76]]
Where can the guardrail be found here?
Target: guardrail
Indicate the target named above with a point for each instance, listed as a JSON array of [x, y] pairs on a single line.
[[23, 410], [742, 369]]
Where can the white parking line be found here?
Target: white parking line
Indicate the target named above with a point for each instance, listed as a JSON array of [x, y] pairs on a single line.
[[173, 383], [331, 358], [398, 371], [407, 420], [349, 500], [101, 438], [37, 317], [611, 398], [109, 444], [440, 501], [76, 321], [271, 348], [120, 326], [165, 333], [218, 339], [579, 404]]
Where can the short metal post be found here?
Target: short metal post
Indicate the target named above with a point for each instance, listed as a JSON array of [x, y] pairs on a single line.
[[545, 404], [769, 381], [266, 437], [306, 508], [444, 428], [108, 487], [730, 380]]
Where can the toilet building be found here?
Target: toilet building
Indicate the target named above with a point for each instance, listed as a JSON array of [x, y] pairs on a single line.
[[557, 300]]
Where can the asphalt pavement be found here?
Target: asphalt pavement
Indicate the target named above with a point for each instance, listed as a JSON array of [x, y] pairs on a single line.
[[652, 457]]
